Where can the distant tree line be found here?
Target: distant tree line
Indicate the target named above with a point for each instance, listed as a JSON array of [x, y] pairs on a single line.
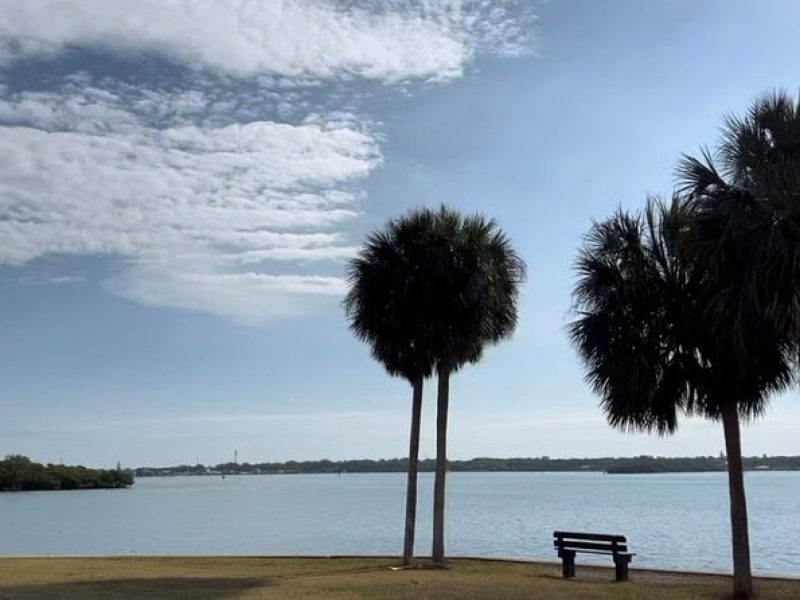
[[19, 473], [639, 464]]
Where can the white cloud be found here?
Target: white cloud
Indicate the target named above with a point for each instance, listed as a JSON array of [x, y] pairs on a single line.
[[228, 189], [138, 190], [377, 39], [190, 208], [36, 279], [250, 298]]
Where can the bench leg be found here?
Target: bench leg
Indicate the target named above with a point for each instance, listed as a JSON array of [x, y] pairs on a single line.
[[621, 564], [568, 563]]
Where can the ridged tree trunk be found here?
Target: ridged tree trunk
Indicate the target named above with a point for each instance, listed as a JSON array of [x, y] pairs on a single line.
[[742, 577], [442, 400], [411, 485]]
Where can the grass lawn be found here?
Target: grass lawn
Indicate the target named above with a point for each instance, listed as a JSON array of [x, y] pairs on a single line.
[[346, 578]]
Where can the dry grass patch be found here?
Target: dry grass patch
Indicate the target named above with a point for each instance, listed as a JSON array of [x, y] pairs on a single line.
[[346, 578]]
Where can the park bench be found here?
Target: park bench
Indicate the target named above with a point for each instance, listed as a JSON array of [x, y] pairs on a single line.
[[569, 543]]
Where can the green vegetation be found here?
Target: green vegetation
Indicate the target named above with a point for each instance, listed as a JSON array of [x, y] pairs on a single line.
[[691, 305], [18, 473], [649, 464], [428, 293], [638, 464], [348, 579]]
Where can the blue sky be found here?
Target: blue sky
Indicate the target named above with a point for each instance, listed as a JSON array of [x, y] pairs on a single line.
[[178, 196]]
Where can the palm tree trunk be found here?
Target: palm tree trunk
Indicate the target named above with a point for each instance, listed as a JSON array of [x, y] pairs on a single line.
[[411, 486], [742, 578], [442, 399]]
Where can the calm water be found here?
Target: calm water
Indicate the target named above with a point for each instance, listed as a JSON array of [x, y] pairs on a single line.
[[672, 521]]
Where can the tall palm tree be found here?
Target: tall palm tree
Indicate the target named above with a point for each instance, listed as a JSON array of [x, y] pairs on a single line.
[[385, 307], [661, 333], [748, 225], [431, 291], [475, 276]]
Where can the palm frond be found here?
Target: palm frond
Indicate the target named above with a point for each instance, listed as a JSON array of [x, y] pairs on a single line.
[[697, 176], [761, 151]]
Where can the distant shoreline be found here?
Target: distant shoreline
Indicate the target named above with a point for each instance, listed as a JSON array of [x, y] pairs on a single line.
[[611, 466], [181, 474]]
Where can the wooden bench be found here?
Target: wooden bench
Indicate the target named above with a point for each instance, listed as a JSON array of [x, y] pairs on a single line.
[[569, 543]]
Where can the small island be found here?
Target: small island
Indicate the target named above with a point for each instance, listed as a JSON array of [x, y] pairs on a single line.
[[20, 474]]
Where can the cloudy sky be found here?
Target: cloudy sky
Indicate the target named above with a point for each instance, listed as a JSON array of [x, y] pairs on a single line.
[[181, 183]]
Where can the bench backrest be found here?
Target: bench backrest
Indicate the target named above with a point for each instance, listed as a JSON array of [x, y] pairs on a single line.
[[593, 542]]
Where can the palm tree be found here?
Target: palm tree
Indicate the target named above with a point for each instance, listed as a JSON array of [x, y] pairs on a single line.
[[748, 225], [474, 275], [662, 332], [384, 307], [431, 291]]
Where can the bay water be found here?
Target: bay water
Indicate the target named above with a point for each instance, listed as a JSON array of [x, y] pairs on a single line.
[[673, 521]]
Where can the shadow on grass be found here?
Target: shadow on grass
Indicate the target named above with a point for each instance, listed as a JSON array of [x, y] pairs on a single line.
[[213, 588]]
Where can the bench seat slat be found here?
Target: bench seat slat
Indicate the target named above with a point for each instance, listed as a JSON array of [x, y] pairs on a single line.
[[631, 554], [598, 547]]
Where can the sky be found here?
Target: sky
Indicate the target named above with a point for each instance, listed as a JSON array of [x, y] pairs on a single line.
[[182, 183]]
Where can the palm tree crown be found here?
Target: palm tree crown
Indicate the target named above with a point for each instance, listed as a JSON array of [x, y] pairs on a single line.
[[652, 343], [477, 274], [434, 288], [387, 294], [748, 220]]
